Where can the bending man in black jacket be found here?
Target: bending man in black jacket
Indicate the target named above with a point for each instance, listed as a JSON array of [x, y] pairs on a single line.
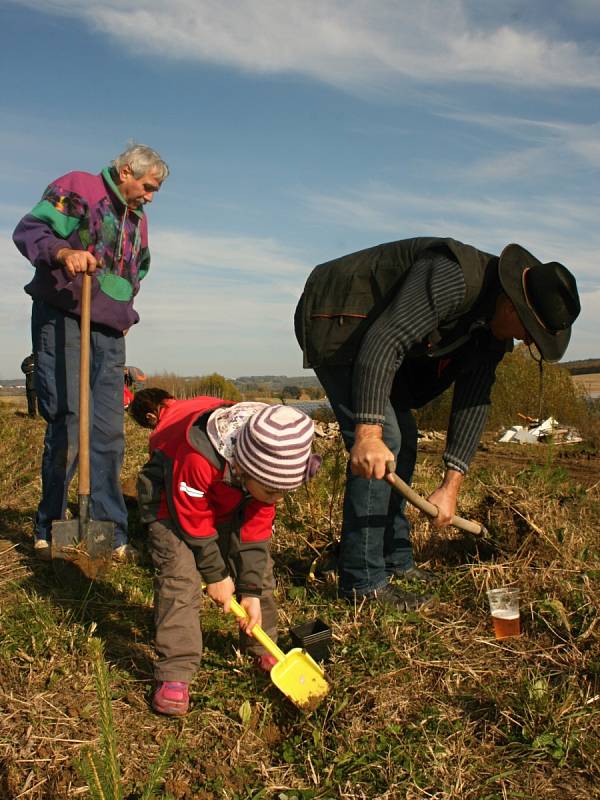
[[389, 328]]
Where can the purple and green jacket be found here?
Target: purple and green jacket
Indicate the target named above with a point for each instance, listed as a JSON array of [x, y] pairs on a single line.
[[87, 212]]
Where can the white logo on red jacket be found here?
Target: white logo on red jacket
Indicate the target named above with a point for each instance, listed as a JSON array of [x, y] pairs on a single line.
[[189, 490]]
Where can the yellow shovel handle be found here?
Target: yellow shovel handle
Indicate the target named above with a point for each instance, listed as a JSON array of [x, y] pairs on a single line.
[[258, 632]]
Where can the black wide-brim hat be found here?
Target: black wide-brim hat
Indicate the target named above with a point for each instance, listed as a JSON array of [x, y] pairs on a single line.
[[545, 298]]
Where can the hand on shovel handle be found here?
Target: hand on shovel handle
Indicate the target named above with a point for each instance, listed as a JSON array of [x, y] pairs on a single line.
[[424, 505], [257, 632], [251, 606], [221, 592]]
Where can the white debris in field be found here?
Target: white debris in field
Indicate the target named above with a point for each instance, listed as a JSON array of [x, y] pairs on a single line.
[[431, 436], [329, 430], [536, 433]]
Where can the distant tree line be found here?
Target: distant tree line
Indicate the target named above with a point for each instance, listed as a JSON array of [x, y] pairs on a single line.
[[305, 386], [213, 385], [586, 366], [216, 385], [301, 392]]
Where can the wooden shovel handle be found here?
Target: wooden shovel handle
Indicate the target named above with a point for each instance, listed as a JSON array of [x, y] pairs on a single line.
[[425, 506], [84, 386], [258, 632]]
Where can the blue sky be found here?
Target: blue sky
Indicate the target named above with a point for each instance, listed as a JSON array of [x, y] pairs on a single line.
[[297, 131]]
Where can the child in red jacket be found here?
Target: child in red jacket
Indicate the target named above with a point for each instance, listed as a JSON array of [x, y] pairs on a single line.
[[208, 494]]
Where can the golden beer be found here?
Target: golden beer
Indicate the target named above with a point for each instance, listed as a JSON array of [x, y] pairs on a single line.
[[506, 624]]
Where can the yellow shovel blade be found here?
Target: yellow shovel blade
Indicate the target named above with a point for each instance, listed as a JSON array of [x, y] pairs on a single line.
[[296, 674], [300, 679]]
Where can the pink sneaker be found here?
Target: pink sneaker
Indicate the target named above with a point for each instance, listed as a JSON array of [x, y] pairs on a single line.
[[264, 663], [171, 698]]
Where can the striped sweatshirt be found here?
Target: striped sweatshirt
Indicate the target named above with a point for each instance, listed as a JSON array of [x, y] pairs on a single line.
[[432, 292], [87, 212]]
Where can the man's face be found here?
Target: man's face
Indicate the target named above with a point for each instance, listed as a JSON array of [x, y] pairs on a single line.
[[506, 323], [137, 191]]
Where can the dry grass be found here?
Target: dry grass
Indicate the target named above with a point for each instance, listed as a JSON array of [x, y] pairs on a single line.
[[423, 705]]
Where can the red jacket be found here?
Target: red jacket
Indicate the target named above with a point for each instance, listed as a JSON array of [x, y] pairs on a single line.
[[184, 481], [127, 396]]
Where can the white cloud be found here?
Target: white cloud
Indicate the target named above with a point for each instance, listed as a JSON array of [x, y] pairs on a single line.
[[347, 43], [381, 208], [218, 304], [212, 254], [15, 308], [548, 144], [212, 330], [553, 228], [208, 304]]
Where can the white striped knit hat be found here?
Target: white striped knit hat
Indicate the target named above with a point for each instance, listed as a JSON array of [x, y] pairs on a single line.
[[274, 447]]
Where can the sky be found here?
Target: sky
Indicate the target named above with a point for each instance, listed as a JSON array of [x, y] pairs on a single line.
[[297, 131]]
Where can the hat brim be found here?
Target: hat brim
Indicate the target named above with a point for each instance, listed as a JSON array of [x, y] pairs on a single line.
[[514, 259]]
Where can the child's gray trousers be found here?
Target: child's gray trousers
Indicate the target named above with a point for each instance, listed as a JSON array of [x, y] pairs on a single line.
[[178, 599]]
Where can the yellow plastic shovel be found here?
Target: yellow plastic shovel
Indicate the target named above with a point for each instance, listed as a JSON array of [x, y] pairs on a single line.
[[296, 674]]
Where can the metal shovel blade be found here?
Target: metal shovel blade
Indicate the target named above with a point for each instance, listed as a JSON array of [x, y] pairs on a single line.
[[65, 537], [81, 550], [98, 539], [296, 674]]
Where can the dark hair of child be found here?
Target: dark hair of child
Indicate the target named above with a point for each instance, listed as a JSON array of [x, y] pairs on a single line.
[[147, 401]]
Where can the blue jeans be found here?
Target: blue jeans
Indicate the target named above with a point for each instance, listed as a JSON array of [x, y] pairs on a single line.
[[56, 350], [375, 536]]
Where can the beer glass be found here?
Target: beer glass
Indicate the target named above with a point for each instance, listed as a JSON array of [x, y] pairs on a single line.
[[504, 607]]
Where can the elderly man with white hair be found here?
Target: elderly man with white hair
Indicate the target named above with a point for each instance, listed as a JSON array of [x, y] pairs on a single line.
[[92, 224]]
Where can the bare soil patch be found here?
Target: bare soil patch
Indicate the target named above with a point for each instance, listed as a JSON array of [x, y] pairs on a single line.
[[579, 463]]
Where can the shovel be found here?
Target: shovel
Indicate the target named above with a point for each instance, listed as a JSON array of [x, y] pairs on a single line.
[[97, 538], [295, 674], [426, 507]]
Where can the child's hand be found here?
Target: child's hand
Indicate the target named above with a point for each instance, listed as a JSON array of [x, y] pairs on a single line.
[[221, 592], [251, 605]]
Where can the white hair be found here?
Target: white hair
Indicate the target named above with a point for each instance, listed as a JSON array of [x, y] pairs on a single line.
[[142, 159]]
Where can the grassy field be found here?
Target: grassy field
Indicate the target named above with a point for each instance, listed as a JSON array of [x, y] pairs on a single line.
[[424, 705]]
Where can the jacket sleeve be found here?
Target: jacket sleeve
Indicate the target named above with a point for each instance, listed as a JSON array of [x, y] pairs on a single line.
[[434, 288], [250, 544], [470, 408], [150, 487], [46, 229], [189, 505]]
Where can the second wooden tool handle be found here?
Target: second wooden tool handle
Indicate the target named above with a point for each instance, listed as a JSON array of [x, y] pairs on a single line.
[[425, 506]]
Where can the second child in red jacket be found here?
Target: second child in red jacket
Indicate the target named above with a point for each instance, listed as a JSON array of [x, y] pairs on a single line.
[[208, 494]]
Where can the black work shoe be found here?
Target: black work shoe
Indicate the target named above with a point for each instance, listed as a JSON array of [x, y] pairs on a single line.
[[416, 574], [393, 597]]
